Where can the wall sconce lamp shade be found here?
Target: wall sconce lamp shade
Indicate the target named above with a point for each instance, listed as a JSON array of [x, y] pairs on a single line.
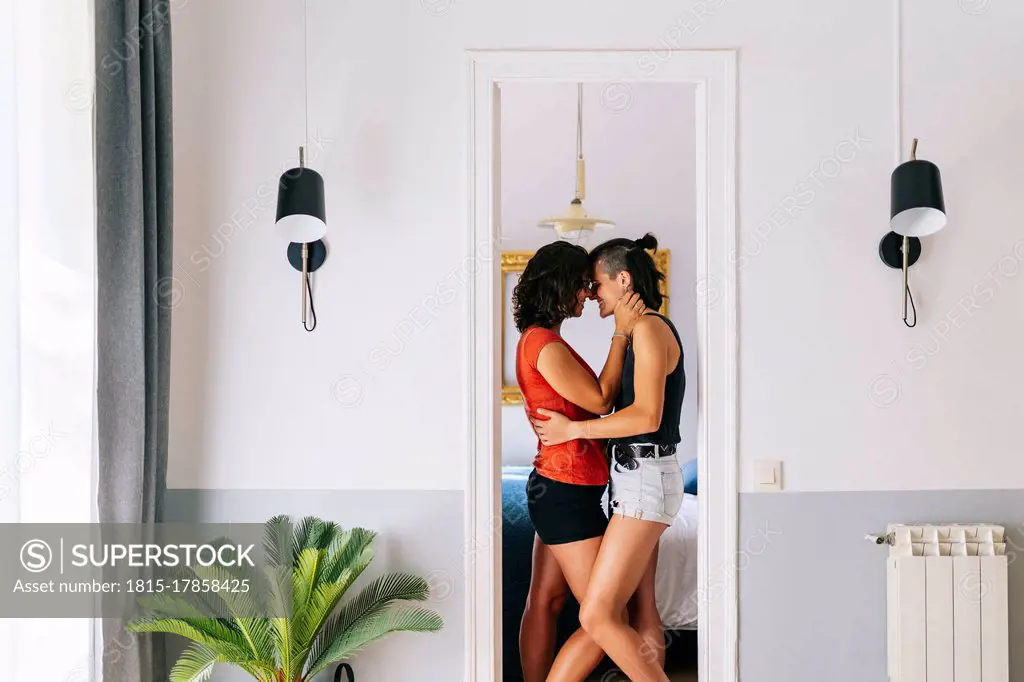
[[917, 206], [301, 213]]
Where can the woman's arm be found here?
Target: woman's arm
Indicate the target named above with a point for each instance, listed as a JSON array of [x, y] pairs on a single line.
[[573, 382], [643, 416]]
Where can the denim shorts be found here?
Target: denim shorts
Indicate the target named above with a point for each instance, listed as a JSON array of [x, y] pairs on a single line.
[[653, 491]]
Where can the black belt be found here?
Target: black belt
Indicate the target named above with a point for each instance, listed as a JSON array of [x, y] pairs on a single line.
[[627, 454]]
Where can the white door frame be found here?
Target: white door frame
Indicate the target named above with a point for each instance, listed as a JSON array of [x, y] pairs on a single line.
[[715, 292]]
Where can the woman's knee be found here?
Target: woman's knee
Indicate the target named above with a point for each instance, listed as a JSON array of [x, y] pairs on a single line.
[[547, 601], [596, 614], [643, 608]]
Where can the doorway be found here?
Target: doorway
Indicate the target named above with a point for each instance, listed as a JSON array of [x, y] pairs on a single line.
[[618, 75]]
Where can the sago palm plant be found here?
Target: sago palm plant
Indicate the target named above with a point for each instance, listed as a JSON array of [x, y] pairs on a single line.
[[311, 567]]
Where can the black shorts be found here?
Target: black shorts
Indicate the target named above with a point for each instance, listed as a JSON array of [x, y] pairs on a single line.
[[564, 512]]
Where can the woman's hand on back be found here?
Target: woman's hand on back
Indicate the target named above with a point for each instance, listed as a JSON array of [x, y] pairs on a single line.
[[628, 310], [554, 428]]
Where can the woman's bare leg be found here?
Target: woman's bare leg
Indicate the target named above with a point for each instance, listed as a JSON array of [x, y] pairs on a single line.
[[548, 592], [625, 555], [579, 656], [577, 562], [644, 616]]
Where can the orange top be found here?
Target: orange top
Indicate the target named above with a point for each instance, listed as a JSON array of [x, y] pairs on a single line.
[[580, 461]]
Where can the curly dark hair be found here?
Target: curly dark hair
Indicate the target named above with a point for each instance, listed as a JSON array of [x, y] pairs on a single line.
[[546, 292], [616, 255]]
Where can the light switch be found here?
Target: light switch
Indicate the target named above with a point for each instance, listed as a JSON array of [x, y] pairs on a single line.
[[767, 475]]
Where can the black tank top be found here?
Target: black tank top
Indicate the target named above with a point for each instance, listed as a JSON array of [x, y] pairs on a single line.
[[675, 387]]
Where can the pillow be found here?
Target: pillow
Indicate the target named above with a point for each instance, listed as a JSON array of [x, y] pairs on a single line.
[[690, 477]]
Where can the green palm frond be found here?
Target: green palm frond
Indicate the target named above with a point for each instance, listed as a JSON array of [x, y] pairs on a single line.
[[304, 576], [179, 605], [194, 665], [323, 534], [281, 632], [321, 605], [372, 600], [306, 529], [325, 598], [288, 627], [206, 604], [248, 609], [350, 547], [373, 627], [277, 541], [211, 633], [380, 592], [249, 603]]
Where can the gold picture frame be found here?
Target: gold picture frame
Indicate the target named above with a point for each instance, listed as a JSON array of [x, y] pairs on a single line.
[[513, 262]]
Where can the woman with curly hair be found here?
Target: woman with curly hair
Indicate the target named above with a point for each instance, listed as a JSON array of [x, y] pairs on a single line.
[[565, 488], [646, 487]]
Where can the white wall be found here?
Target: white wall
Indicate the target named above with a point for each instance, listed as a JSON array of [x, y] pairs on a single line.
[[255, 399], [641, 172]]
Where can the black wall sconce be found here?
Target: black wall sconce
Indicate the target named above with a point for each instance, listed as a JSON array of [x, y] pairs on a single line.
[[302, 220], [917, 210], [301, 216]]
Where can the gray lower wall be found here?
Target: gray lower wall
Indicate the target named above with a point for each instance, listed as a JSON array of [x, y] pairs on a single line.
[[812, 590], [812, 596], [419, 531]]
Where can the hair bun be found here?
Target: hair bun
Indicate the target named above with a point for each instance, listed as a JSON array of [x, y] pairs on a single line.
[[648, 242]]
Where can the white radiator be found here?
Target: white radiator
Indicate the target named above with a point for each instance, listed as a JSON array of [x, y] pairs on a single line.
[[947, 603]]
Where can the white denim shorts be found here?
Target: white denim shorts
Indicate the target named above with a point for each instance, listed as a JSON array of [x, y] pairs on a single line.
[[651, 492]]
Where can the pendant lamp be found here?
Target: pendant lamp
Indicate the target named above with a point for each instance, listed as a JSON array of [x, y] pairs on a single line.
[[575, 224], [301, 214], [917, 209]]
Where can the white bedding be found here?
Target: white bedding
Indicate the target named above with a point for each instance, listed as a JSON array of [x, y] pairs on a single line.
[[676, 580]]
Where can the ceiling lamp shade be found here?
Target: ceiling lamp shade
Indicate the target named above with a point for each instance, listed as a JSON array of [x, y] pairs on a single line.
[[575, 223], [917, 206]]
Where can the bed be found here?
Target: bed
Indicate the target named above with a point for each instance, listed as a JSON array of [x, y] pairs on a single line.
[[676, 581]]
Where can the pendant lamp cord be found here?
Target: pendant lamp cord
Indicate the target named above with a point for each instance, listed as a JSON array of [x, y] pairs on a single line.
[[305, 65], [579, 121], [897, 25], [305, 96], [312, 310], [898, 118], [579, 134]]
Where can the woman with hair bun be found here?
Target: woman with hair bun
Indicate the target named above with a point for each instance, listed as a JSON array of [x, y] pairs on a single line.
[[646, 488], [565, 488]]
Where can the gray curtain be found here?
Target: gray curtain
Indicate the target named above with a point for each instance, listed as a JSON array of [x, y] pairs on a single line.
[[134, 201]]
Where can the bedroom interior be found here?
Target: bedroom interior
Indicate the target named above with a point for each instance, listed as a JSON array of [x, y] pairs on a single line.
[[625, 126]]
